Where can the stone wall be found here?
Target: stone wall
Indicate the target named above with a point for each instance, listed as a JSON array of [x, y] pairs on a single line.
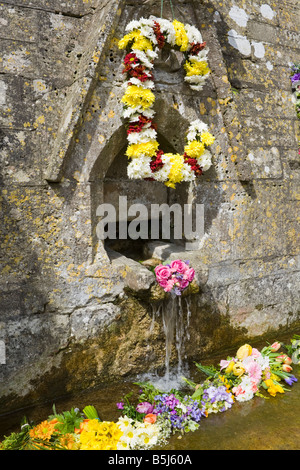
[[73, 317]]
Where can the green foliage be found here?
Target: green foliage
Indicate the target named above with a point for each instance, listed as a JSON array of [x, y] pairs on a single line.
[[91, 412], [67, 420], [210, 371], [17, 441], [149, 391], [130, 410]]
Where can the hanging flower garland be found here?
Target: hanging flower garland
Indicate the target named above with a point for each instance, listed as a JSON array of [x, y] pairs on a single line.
[[295, 79], [143, 41]]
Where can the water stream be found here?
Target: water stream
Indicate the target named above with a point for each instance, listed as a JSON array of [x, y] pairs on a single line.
[[175, 323]]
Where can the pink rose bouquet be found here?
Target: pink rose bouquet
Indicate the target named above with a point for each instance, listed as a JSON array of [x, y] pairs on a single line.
[[175, 276]]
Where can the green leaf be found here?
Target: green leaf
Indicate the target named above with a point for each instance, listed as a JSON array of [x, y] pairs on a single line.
[[210, 371], [198, 393], [90, 412]]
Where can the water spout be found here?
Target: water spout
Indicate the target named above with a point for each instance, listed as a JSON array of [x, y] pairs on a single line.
[[175, 326]]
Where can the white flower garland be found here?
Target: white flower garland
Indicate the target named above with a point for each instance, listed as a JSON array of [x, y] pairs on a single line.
[[143, 40]]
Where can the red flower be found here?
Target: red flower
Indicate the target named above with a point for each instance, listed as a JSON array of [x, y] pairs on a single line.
[[197, 47], [159, 36], [196, 168], [131, 59], [137, 126], [138, 72], [156, 164]]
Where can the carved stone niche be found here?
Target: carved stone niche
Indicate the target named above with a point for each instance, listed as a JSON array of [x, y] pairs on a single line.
[[113, 187]]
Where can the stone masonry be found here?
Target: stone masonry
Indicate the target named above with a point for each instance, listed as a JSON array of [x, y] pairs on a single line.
[[72, 314]]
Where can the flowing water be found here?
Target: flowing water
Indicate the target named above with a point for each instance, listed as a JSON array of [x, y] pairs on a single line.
[[176, 330], [259, 424]]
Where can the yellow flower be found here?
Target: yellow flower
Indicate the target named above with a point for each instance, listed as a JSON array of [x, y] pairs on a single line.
[[279, 388], [196, 67], [273, 387], [238, 369], [175, 175], [99, 435], [182, 39], [138, 96], [207, 138], [275, 377], [139, 41], [145, 148], [269, 382], [244, 351], [194, 149], [229, 368]]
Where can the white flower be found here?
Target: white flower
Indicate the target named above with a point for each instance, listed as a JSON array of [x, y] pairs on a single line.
[[134, 113], [205, 160], [147, 84], [193, 34], [146, 57], [144, 136], [148, 32], [139, 167], [195, 128], [124, 423], [199, 56], [187, 173], [263, 361], [167, 29], [129, 437], [197, 80], [134, 24]]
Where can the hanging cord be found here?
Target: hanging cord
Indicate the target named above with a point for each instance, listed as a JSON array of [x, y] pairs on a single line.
[[162, 7], [172, 9]]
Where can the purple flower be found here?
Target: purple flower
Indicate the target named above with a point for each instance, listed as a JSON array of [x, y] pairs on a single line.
[[290, 380], [295, 78], [145, 407], [120, 405]]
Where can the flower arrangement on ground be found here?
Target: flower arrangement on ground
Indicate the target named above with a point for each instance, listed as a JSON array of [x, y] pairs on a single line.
[[143, 41], [174, 276], [149, 418], [251, 371], [295, 79]]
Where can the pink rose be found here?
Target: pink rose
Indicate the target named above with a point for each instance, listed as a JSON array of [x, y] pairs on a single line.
[[163, 282], [190, 274], [179, 266], [162, 272], [183, 283], [170, 284]]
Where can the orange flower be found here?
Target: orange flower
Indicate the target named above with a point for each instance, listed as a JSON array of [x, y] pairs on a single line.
[[43, 430], [67, 441], [83, 426], [150, 418]]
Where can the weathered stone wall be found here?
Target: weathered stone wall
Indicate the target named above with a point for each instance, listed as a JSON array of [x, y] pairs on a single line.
[[70, 316]]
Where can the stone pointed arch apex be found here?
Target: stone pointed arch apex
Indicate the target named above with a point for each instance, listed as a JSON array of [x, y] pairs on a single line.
[[102, 24]]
